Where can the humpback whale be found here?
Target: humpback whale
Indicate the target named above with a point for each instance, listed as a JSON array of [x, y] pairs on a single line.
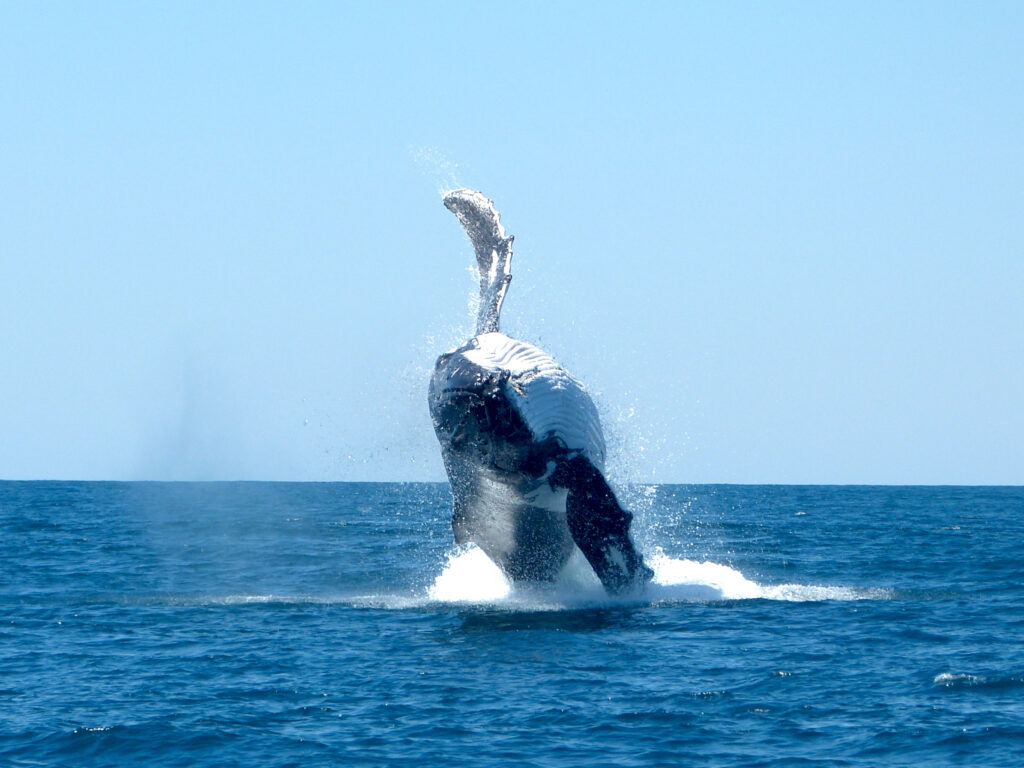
[[521, 439]]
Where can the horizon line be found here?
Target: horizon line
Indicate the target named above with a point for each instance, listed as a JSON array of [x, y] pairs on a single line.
[[240, 481]]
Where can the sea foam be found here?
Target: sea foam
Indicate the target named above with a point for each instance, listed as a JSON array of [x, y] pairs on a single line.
[[470, 577]]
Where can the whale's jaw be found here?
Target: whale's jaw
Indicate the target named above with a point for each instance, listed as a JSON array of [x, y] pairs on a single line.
[[518, 522]]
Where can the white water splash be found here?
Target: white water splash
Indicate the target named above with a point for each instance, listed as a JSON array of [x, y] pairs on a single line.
[[691, 580], [469, 576]]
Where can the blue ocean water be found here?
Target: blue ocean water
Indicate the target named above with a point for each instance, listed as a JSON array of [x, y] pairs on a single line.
[[275, 624]]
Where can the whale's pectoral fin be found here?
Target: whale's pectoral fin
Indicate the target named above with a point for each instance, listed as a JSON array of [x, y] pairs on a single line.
[[599, 526], [493, 247]]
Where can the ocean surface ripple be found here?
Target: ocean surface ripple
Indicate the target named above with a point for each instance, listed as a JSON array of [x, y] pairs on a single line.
[[279, 624]]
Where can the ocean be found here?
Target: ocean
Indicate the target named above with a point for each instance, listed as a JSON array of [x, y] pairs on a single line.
[[335, 624]]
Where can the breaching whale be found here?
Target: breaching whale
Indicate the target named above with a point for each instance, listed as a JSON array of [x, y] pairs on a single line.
[[521, 440]]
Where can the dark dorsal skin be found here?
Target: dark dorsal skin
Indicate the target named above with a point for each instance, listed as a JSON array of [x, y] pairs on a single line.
[[507, 483], [599, 525]]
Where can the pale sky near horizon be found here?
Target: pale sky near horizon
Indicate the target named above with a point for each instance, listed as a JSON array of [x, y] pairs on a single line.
[[781, 243]]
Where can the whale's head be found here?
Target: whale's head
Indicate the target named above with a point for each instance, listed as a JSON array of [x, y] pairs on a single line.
[[474, 418], [457, 403]]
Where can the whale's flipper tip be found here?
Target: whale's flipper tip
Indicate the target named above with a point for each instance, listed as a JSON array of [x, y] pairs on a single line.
[[493, 247], [469, 200], [478, 217]]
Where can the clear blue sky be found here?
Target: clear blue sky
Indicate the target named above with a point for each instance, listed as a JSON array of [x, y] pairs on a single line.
[[781, 242]]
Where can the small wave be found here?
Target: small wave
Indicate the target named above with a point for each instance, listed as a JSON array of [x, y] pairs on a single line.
[[248, 599], [958, 680], [385, 600], [470, 577], [275, 599], [803, 593], [950, 679]]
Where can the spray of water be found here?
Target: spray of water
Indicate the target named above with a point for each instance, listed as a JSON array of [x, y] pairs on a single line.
[[469, 577], [436, 164]]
